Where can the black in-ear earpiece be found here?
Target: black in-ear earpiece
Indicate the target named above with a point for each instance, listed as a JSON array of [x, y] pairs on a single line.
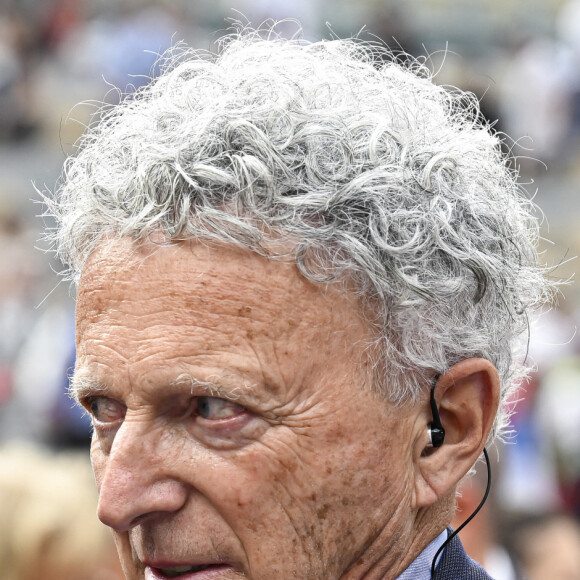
[[436, 431]]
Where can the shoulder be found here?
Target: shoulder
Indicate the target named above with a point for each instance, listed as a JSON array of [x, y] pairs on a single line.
[[455, 564]]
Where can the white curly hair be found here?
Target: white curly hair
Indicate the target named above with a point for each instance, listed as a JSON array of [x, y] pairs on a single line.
[[374, 172]]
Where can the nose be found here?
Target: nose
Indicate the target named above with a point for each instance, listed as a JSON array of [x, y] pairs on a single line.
[[135, 478]]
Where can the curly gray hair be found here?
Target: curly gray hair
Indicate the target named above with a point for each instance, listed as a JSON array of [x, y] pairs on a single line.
[[375, 173]]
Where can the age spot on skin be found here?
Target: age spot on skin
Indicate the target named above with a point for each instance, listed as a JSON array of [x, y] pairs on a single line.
[[244, 311], [322, 511]]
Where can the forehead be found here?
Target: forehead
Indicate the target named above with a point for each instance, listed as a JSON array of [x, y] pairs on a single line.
[[191, 275], [190, 300]]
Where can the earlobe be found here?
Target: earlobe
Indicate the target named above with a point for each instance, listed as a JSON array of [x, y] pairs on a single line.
[[467, 399]]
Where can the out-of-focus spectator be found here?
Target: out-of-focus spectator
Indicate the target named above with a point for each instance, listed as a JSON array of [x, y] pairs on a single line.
[[546, 546], [306, 12], [49, 530], [121, 44], [568, 29], [39, 375], [20, 273], [391, 24], [62, 16], [540, 407], [17, 52], [534, 98], [558, 417], [35, 343]]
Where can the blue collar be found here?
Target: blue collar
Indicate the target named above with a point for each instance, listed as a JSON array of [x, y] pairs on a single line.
[[420, 568]]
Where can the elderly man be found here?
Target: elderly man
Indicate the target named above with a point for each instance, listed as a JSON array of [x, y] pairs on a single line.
[[283, 252]]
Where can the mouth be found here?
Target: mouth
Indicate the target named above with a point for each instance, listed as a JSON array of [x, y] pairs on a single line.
[[187, 571], [176, 571]]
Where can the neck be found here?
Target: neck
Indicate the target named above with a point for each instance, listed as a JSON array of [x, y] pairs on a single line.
[[390, 554]]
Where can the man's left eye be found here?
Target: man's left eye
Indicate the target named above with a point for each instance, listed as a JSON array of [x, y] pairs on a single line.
[[213, 409]]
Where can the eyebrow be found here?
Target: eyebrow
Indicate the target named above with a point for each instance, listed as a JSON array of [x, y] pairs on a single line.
[[81, 387]]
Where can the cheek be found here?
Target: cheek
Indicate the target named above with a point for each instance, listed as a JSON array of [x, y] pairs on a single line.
[[270, 503], [307, 506]]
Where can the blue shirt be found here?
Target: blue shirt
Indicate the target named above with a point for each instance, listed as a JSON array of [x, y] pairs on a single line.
[[420, 568]]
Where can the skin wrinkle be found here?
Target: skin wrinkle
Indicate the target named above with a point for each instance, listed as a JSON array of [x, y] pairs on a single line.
[[290, 501], [290, 504], [304, 437], [387, 542], [271, 386]]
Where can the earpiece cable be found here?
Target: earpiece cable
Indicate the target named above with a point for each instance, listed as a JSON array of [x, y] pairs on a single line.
[[485, 496]]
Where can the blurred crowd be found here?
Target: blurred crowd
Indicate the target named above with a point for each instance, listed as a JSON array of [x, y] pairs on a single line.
[[49, 529], [522, 59]]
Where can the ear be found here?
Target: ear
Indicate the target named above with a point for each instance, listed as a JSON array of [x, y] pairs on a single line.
[[467, 397]]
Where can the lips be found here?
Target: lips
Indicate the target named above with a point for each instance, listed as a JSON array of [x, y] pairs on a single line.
[[186, 571], [177, 571]]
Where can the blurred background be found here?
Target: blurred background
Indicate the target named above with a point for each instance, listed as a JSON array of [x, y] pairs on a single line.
[[522, 59]]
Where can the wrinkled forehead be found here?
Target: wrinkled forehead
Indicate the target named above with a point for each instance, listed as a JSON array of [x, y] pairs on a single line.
[[190, 266], [216, 279]]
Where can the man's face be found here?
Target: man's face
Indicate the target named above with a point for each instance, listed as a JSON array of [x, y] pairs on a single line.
[[236, 431]]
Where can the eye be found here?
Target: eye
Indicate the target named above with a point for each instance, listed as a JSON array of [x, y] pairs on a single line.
[[105, 410], [214, 409]]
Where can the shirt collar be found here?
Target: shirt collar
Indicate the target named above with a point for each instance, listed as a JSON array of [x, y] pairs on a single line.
[[420, 568]]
